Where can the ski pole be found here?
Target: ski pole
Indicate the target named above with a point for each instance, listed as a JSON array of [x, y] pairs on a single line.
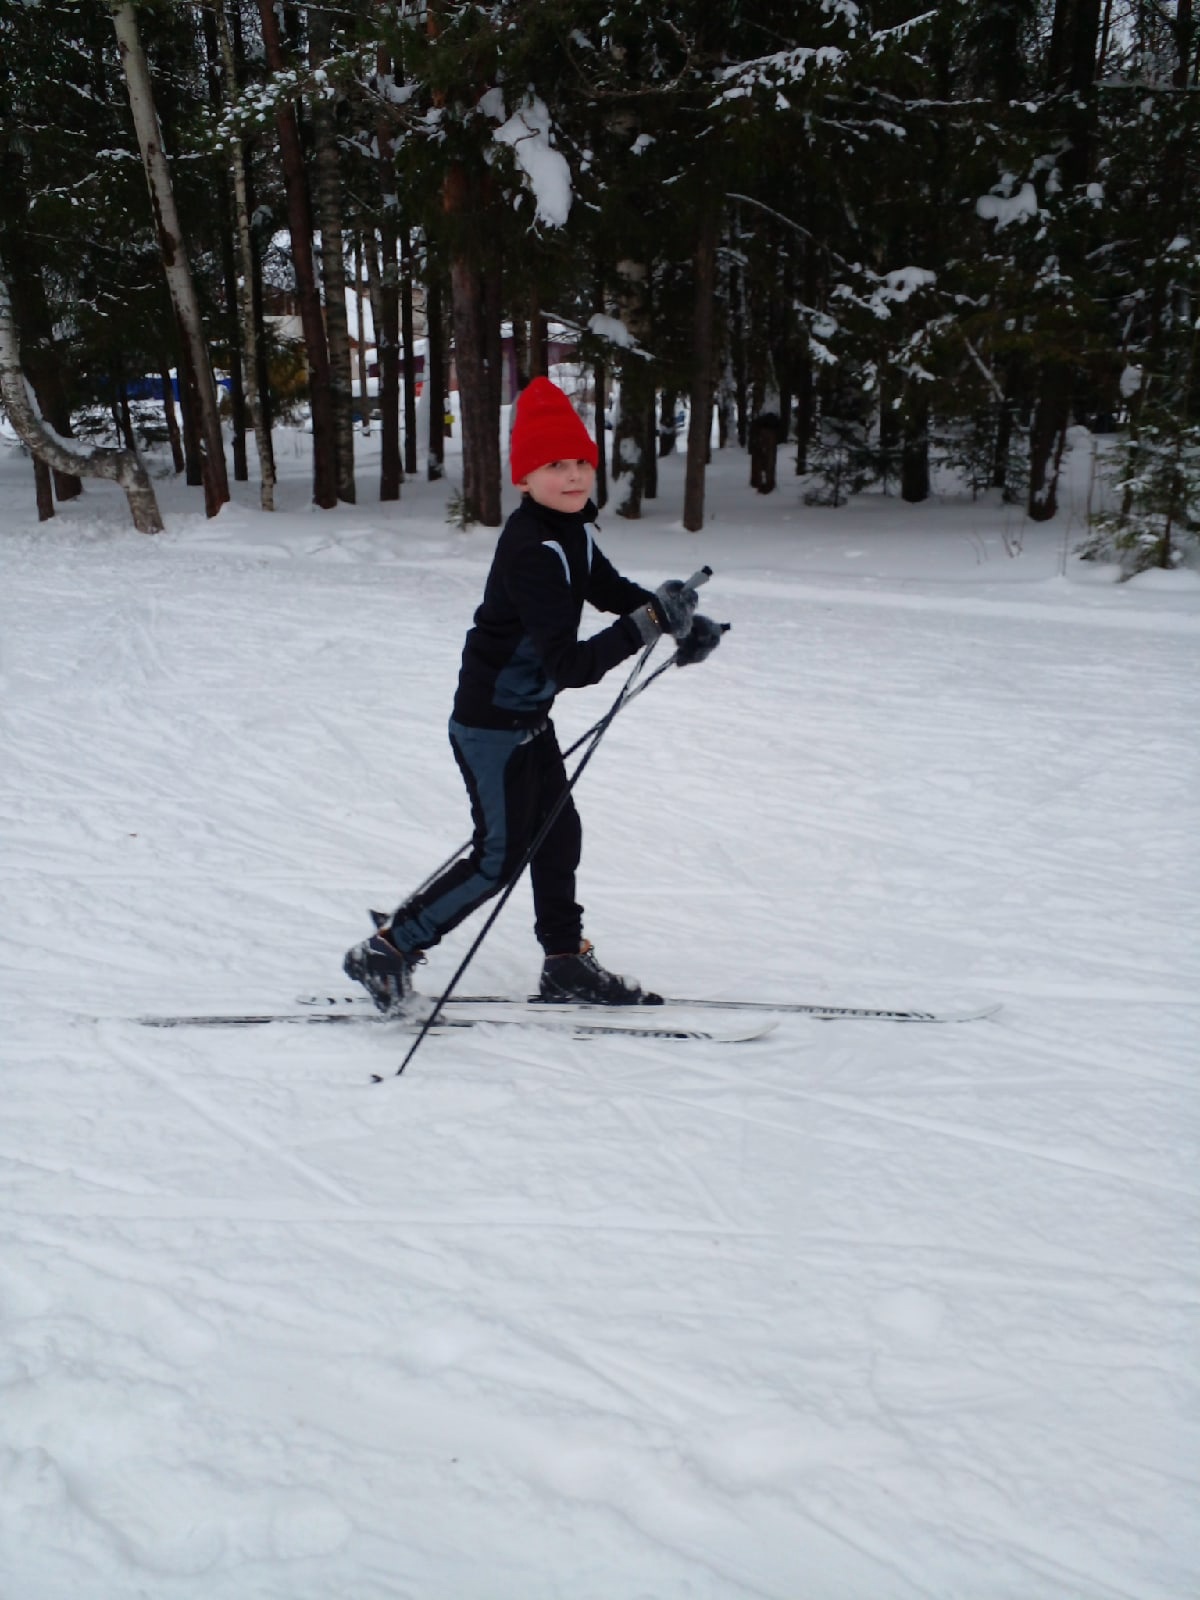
[[601, 728]]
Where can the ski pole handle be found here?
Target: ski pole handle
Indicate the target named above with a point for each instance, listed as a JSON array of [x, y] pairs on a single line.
[[701, 575]]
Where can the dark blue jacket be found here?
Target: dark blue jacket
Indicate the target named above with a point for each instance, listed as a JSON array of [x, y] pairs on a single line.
[[524, 646]]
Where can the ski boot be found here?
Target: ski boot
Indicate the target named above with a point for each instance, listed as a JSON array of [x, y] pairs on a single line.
[[384, 972], [580, 979]]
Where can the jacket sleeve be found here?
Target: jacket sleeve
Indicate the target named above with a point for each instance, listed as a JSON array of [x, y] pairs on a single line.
[[542, 599], [609, 591]]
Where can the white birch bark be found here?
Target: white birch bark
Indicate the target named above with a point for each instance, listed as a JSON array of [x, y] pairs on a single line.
[[171, 244], [67, 455]]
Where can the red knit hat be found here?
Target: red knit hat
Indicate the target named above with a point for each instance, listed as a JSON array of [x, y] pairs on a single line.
[[547, 429]]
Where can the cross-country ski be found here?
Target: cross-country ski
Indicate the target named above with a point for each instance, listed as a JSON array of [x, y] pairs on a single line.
[[576, 1022], [819, 1011]]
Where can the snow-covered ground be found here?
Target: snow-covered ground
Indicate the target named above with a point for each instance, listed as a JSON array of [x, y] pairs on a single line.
[[856, 1312]]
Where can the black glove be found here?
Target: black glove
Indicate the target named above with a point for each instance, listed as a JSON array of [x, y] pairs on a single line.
[[701, 642], [670, 611]]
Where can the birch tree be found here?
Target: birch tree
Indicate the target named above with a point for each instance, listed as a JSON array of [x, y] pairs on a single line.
[[66, 455], [174, 253]]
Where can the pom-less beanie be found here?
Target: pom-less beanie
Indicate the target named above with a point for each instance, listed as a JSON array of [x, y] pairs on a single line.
[[547, 429]]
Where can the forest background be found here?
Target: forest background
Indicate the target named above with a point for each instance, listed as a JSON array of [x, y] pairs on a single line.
[[866, 241]]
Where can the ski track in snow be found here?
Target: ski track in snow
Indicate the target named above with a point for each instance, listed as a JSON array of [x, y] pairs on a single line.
[[856, 1312]]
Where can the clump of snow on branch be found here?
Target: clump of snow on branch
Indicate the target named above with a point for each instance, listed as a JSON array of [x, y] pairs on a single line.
[[907, 280], [883, 292], [1003, 209], [773, 71], [612, 330], [527, 133]]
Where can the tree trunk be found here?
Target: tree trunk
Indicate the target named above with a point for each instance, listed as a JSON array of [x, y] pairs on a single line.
[[408, 335], [385, 307], [1047, 436], [1001, 445], [239, 415], [387, 347], [327, 192], [262, 370], [539, 341], [171, 245], [67, 455], [193, 455], [668, 405], [480, 425], [171, 419], [806, 417], [630, 445], [364, 404], [435, 367], [370, 262], [493, 342], [520, 337], [251, 353], [124, 417], [703, 372], [650, 460], [632, 439], [736, 365], [914, 454], [1071, 68], [599, 386], [764, 451], [477, 386], [44, 489], [1071, 71], [308, 299]]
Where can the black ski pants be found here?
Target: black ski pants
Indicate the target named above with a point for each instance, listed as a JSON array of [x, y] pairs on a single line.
[[513, 779]]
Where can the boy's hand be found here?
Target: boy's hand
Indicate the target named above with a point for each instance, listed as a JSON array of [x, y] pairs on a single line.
[[673, 607], [701, 641]]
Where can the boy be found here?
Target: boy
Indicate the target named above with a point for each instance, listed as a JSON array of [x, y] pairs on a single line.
[[522, 649]]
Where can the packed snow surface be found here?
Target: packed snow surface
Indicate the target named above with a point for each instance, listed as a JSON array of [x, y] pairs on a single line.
[[856, 1312]]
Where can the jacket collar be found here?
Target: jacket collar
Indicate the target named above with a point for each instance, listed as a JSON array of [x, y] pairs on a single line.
[[561, 521]]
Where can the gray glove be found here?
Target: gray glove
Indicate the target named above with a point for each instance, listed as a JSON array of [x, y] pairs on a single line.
[[701, 642], [671, 611]]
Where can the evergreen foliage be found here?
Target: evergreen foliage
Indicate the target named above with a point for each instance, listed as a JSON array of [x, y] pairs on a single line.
[[927, 240]]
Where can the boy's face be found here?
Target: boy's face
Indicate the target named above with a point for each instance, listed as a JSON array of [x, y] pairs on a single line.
[[561, 485]]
